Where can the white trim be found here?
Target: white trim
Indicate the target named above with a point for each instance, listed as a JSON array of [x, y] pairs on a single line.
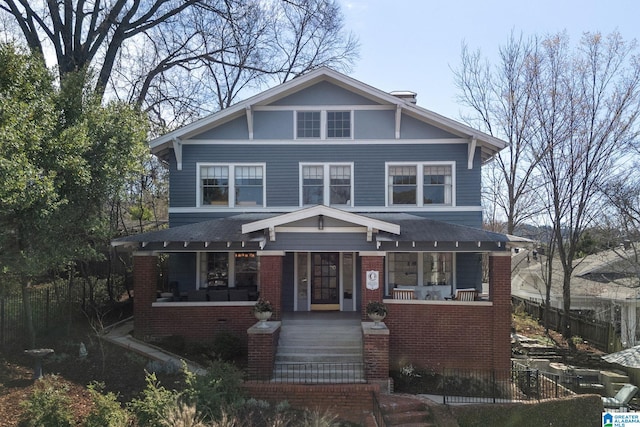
[[326, 177], [249, 121], [398, 120], [320, 210], [328, 107], [177, 150], [341, 80], [471, 152], [332, 141], [324, 230], [270, 253], [358, 209], [232, 183], [372, 253], [420, 185]]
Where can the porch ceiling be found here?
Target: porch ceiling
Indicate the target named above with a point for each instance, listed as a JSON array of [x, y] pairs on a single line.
[[416, 233]]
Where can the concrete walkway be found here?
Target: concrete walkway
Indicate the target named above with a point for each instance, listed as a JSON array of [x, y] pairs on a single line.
[[120, 335]]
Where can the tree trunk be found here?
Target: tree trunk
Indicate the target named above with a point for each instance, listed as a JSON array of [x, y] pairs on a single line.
[[566, 303]]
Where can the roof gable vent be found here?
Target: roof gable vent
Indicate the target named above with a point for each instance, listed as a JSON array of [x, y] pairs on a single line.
[[405, 95]]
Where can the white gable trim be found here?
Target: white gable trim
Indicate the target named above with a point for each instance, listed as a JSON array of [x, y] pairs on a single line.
[[315, 76], [301, 214]]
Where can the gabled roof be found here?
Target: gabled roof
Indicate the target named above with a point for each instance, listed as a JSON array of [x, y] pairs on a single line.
[[488, 144], [323, 210]]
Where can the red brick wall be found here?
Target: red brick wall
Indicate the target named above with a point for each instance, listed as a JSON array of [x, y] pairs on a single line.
[[145, 276], [376, 354], [271, 282], [351, 402], [455, 335], [500, 294], [201, 323], [375, 263], [263, 345]]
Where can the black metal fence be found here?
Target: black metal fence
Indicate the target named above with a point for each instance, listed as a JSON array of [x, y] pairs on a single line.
[[51, 306], [454, 386], [600, 334], [319, 373]]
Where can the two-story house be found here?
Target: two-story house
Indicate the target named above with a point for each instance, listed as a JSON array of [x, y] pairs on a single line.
[[322, 194]]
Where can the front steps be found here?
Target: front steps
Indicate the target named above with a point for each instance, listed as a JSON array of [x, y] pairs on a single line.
[[320, 348], [405, 411]]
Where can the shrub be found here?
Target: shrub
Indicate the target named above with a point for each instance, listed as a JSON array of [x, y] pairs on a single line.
[[219, 388], [107, 411], [151, 408], [228, 346], [49, 405], [181, 414]]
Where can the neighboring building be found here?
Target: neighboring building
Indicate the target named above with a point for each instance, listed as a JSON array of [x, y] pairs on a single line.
[[323, 194]]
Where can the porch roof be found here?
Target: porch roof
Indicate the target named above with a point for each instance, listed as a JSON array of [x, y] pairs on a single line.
[[226, 233]]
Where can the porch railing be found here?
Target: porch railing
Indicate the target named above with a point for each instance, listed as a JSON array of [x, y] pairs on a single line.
[[319, 373]]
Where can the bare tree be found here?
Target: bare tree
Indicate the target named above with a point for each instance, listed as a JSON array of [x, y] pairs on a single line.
[[180, 59], [587, 103], [501, 105]]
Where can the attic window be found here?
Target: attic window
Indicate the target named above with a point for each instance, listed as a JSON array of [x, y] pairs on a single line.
[[323, 124]]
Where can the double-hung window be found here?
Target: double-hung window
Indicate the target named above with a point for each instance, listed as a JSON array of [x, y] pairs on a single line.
[[323, 124], [421, 184], [326, 184], [229, 185]]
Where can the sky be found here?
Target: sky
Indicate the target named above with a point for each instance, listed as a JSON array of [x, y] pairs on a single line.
[[414, 44]]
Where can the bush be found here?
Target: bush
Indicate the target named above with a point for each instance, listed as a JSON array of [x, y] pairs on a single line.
[[107, 411], [49, 405], [220, 388], [152, 407], [228, 347]]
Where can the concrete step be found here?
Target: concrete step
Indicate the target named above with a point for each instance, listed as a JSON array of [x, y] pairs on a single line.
[[417, 418], [403, 411]]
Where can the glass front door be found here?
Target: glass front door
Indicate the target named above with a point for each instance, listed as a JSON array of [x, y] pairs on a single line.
[[325, 281]]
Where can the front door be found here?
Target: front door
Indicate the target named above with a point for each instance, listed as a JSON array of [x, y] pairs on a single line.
[[325, 281]]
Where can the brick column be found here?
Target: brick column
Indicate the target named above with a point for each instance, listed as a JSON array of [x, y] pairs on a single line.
[[500, 295], [375, 353], [371, 263], [271, 282], [145, 276], [263, 344]]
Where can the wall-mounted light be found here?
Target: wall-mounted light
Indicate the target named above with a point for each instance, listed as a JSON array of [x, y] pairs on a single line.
[[320, 222]]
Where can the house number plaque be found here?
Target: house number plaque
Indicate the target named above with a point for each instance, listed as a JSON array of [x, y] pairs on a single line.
[[372, 280]]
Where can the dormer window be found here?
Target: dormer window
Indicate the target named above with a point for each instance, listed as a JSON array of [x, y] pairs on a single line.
[[323, 124]]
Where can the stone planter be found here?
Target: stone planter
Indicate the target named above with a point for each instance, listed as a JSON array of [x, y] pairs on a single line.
[[377, 318], [262, 316]]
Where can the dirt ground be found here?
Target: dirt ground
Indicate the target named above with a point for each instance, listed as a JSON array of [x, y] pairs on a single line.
[[121, 371]]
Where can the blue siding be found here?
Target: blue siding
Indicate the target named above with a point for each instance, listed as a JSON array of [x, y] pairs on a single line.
[[374, 124], [282, 173], [469, 270], [411, 128], [234, 129], [273, 125], [288, 280], [324, 93], [182, 269]]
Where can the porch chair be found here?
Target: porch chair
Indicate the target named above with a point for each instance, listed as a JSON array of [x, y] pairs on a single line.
[[621, 399], [465, 294], [405, 294]]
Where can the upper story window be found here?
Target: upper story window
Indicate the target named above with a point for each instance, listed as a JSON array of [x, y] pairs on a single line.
[[420, 184], [308, 124], [323, 124], [326, 184], [228, 185]]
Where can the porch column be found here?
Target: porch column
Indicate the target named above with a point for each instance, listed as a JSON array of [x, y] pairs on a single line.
[[371, 261], [271, 280], [500, 295], [145, 276]]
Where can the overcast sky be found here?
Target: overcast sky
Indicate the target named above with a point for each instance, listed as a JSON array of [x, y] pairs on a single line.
[[414, 44]]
